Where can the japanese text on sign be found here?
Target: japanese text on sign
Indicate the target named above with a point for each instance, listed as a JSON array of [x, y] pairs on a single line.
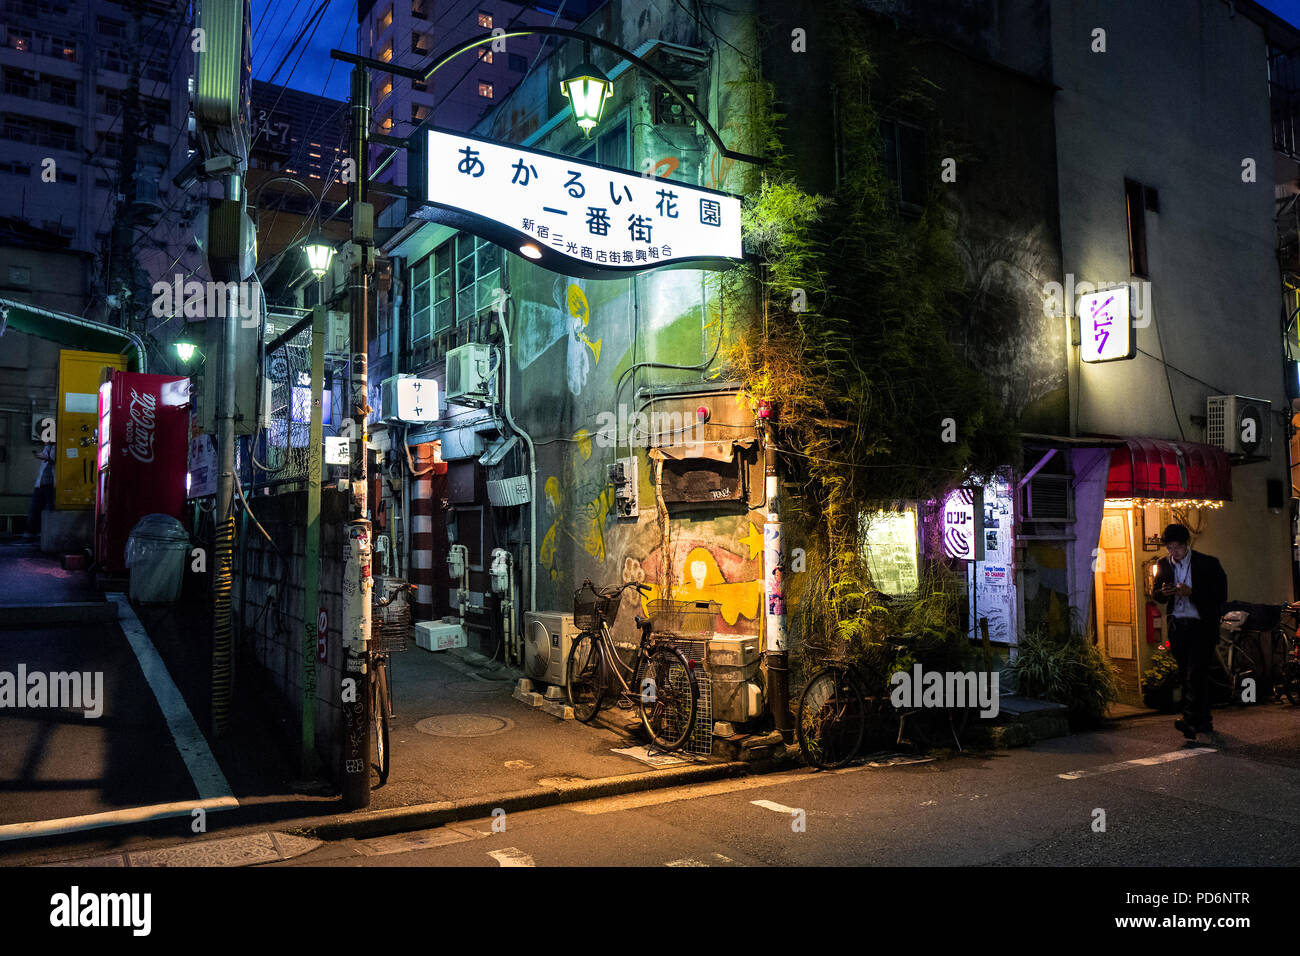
[[597, 216], [1106, 333]]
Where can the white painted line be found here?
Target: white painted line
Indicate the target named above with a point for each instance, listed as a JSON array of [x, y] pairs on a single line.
[[91, 821], [203, 768], [775, 807], [685, 862], [512, 857], [1139, 762]]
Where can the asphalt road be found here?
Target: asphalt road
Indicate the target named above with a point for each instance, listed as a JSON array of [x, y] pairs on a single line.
[[1132, 795]]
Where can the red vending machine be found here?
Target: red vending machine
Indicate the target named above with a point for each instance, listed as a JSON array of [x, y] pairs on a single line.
[[144, 431]]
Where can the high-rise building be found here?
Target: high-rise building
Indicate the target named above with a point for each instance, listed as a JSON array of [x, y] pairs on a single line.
[[410, 32], [67, 68]]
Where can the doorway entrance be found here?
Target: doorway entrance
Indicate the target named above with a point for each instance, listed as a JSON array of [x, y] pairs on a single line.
[[1116, 601]]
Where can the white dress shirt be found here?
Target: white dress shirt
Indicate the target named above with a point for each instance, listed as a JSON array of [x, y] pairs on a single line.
[[1183, 606]]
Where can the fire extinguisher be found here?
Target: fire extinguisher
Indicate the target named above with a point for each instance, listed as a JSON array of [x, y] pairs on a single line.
[[1155, 624]]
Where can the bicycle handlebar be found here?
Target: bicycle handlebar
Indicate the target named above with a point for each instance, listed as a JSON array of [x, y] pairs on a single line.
[[613, 589], [384, 602]]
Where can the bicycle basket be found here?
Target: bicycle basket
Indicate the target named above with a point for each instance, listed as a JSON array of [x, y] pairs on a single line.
[[390, 626], [683, 618], [590, 607]]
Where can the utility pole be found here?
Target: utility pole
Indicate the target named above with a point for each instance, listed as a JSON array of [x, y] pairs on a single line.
[[121, 262], [355, 775], [778, 668]]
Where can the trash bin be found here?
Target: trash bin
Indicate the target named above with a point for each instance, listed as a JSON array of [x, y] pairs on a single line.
[[155, 554]]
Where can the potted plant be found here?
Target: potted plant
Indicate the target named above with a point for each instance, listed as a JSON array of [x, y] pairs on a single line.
[[1161, 687]]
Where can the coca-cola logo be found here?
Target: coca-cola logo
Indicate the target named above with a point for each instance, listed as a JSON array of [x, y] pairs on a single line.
[[140, 426]]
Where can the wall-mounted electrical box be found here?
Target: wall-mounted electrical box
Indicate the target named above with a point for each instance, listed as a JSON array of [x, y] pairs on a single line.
[[623, 476]]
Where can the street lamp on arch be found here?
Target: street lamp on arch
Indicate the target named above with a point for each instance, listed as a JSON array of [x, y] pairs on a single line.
[[587, 89]]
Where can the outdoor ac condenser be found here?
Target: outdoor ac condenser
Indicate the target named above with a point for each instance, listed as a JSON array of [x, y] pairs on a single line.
[[468, 370], [1239, 425], [548, 635]]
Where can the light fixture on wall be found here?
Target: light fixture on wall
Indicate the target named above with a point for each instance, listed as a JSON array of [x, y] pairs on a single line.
[[319, 255]]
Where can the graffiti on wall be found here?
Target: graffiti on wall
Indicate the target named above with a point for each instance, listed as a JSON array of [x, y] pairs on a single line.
[[541, 325]]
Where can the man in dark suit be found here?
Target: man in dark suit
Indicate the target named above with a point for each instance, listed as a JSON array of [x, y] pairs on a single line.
[[1194, 586]]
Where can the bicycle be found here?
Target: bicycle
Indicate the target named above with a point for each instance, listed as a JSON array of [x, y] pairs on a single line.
[[389, 627], [1286, 654], [1236, 664], [667, 692], [834, 717]]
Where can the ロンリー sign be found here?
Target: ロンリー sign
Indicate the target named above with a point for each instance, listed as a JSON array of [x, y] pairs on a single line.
[[576, 218]]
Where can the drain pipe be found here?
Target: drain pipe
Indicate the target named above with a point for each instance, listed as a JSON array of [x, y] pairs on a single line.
[[532, 479], [11, 313]]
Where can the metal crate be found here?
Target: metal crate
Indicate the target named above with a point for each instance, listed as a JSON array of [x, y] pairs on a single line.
[[684, 619]]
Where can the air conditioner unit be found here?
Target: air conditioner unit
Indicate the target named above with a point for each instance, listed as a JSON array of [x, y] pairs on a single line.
[[468, 369], [1241, 426], [388, 398], [548, 635]]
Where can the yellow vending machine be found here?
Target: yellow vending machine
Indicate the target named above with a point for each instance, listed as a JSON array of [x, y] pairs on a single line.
[[74, 472]]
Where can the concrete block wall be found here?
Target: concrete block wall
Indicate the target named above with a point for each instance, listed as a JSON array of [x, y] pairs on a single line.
[[272, 606]]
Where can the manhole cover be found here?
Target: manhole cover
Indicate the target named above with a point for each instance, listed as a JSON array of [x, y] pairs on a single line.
[[463, 725]]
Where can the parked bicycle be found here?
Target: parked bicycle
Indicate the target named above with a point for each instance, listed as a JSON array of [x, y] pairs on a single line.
[[1274, 665], [390, 625], [837, 715], [660, 682]]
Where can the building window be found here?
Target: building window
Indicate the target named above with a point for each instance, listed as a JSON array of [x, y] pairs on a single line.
[[452, 285], [386, 20], [1137, 200], [420, 86], [21, 40], [107, 27], [386, 123], [386, 54], [419, 43], [485, 20], [485, 90], [904, 158], [385, 87], [419, 113], [516, 62], [420, 8], [485, 55]]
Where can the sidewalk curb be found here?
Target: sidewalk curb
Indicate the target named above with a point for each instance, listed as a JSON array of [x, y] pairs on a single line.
[[428, 815]]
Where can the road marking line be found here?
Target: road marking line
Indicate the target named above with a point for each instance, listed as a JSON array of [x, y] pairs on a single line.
[[633, 801], [511, 856], [203, 767], [775, 807], [685, 862], [91, 821], [1139, 762]]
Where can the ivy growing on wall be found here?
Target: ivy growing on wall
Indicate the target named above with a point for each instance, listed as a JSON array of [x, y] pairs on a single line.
[[849, 335]]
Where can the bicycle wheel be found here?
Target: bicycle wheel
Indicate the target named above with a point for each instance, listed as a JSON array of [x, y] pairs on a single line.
[[379, 714], [668, 703], [831, 719], [1289, 665], [585, 678]]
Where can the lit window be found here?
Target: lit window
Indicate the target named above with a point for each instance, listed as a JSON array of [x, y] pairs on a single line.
[[314, 155], [386, 53], [386, 123], [485, 56], [485, 20], [485, 90], [386, 20]]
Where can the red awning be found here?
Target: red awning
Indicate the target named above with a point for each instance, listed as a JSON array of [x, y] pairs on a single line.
[[1155, 468]]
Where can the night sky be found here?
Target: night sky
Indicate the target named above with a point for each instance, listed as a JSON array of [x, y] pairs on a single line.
[[274, 32]]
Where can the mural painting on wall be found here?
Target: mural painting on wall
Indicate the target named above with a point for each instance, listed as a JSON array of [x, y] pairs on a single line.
[[584, 523], [706, 570], [541, 325]]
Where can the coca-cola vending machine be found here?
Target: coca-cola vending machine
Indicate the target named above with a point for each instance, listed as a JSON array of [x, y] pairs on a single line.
[[144, 424]]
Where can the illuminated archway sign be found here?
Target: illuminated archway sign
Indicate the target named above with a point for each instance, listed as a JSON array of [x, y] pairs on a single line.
[[572, 217]]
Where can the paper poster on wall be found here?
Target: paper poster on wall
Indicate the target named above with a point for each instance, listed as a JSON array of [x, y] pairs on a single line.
[[993, 595]]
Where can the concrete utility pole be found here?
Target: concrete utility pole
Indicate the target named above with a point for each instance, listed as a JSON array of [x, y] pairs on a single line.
[[357, 580], [778, 668], [121, 257]]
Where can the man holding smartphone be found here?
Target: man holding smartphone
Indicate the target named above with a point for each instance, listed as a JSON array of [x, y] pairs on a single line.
[[1194, 588]]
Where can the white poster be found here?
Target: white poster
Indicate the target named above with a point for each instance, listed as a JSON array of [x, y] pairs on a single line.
[[993, 595]]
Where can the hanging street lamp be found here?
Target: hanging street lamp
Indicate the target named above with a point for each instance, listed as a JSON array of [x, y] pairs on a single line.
[[587, 89], [319, 255], [185, 346]]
